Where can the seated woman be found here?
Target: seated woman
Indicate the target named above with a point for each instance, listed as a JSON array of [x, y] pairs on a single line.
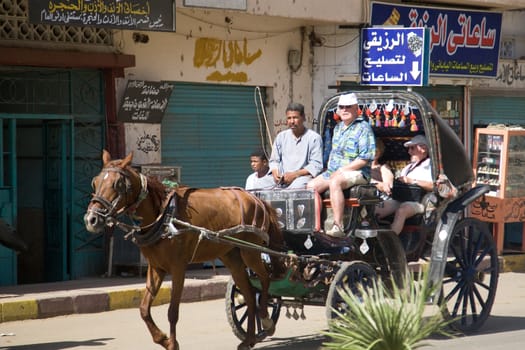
[[381, 174], [417, 172], [382, 177]]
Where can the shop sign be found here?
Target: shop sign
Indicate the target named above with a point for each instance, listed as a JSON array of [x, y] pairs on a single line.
[[157, 15], [394, 56], [218, 4], [462, 42], [144, 101]]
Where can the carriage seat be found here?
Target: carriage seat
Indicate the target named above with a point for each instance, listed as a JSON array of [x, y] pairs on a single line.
[[355, 196]]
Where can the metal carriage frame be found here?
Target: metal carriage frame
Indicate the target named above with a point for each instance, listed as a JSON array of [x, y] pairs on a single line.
[[460, 251]]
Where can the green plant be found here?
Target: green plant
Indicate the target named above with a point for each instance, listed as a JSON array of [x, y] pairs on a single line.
[[386, 317]]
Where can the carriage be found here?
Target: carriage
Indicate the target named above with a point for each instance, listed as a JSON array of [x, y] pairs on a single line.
[[273, 241], [459, 250]]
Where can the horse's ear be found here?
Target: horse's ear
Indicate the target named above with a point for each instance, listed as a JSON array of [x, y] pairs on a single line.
[[106, 157], [127, 161]]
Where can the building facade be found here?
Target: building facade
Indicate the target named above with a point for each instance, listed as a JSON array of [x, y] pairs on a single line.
[[233, 67]]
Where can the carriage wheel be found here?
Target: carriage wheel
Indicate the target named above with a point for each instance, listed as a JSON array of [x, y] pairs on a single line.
[[350, 275], [237, 312], [389, 255], [471, 275]]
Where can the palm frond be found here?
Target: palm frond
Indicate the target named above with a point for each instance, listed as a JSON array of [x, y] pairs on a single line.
[[385, 317]]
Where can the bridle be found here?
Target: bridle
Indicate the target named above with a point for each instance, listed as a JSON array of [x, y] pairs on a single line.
[[123, 187]]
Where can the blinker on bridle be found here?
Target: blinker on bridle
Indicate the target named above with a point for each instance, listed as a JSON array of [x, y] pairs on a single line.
[[122, 186]]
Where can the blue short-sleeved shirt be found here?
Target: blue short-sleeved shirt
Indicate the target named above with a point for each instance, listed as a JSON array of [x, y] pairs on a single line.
[[351, 142]]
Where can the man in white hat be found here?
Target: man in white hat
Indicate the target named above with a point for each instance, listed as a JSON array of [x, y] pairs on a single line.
[[353, 149], [417, 172]]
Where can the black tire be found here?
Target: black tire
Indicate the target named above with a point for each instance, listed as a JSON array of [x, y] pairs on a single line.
[[471, 276], [237, 312], [350, 275], [390, 258]]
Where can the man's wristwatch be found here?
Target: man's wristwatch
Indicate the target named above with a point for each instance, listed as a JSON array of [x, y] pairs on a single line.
[[415, 182]]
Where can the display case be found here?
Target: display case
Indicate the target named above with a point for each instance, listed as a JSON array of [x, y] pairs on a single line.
[[499, 156], [450, 109]]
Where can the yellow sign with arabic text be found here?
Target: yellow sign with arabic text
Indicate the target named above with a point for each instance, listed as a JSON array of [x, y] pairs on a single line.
[[210, 53]]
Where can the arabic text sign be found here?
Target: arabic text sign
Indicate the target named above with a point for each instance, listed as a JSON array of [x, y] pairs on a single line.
[[394, 56], [462, 42], [144, 101], [154, 15]]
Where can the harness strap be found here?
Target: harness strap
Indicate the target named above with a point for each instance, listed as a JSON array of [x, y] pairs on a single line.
[[258, 203], [142, 195]]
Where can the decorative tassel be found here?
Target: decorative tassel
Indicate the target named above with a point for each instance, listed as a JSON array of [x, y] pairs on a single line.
[[370, 117], [378, 118], [413, 124], [395, 112], [403, 121]]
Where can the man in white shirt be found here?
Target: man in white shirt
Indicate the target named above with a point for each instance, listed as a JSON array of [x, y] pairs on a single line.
[[297, 153]]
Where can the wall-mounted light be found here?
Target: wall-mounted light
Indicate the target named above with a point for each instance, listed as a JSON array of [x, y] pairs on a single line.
[[140, 38]]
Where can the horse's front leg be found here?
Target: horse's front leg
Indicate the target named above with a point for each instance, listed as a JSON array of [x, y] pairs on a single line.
[[177, 286], [153, 284]]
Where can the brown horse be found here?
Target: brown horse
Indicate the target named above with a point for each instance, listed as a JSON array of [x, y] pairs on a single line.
[[217, 214]]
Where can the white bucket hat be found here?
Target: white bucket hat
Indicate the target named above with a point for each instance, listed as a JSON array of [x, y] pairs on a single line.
[[347, 100]]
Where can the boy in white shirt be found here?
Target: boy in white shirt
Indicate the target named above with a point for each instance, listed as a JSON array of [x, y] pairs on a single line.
[[262, 177]]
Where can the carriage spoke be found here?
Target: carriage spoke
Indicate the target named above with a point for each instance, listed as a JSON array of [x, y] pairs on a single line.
[[478, 296]]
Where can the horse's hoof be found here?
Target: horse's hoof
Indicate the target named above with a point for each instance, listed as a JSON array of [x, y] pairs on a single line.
[[270, 331], [268, 326], [243, 346], [172, 345]]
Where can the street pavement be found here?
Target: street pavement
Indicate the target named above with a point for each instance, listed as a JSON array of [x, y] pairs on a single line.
[[43, 300]]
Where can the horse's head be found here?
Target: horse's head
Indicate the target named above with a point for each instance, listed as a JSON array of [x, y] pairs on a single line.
[[117, 189]]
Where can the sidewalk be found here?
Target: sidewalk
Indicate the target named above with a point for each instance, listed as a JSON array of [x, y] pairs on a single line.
[[32, 301], [43, 300]]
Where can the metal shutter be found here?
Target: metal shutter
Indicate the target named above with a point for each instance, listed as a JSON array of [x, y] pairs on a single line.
[[498, 110], [210, 130]]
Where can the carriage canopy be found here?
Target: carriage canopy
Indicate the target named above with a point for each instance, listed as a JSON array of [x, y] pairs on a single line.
[[396, 117]]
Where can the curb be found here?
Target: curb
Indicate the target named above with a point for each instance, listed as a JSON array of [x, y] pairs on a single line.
[[513, 263], [52, 306]]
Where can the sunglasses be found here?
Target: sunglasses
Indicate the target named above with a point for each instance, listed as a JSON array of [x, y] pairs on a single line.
[[344, 107]]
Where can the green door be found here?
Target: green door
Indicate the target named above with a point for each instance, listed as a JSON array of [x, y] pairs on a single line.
[[8, 266], [47, 111], [58, 177]]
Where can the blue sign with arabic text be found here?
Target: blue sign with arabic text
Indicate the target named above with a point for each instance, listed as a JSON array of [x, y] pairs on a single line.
[[462, 42], [394, 56]]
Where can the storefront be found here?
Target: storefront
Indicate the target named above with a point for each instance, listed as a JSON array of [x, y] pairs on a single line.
[[499, 104]]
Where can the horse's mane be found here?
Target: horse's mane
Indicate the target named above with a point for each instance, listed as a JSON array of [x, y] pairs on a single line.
[[157, 191]]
